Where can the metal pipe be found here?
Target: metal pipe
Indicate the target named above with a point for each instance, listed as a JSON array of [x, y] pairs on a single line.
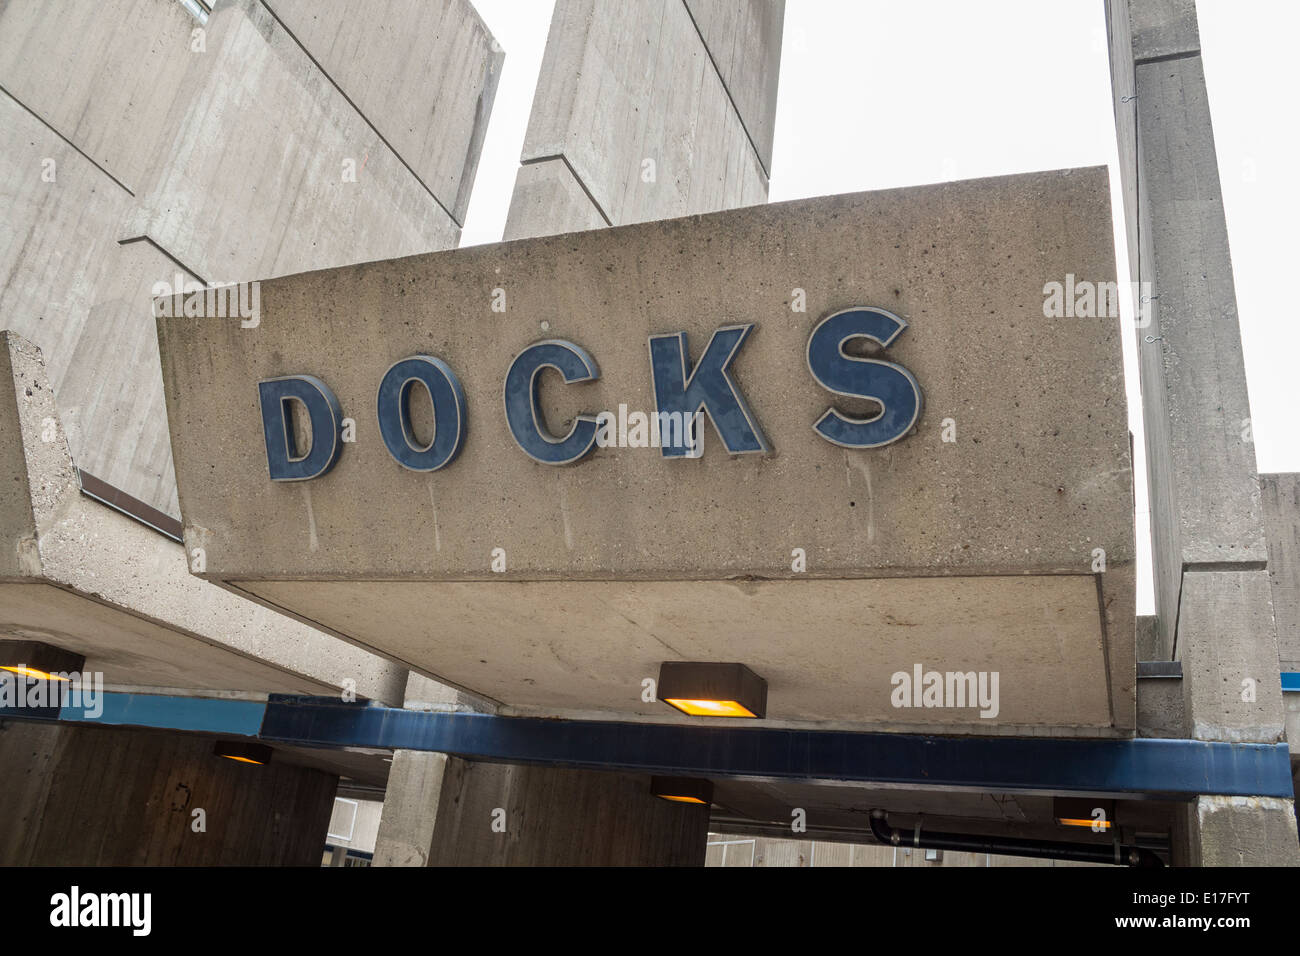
[[1116, 854]]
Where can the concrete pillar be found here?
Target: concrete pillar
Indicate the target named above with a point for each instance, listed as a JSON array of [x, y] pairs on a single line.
[[445, 811], [97, 796], [1281, 501], [649, 110], [1213, 601], [644, 110]]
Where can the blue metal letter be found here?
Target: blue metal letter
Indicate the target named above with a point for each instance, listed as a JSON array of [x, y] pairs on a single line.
[[394, 409], [709, 388], [891, 385], [277, 425], [524, 408]]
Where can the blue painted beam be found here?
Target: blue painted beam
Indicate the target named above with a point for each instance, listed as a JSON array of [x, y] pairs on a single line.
[[201, 714], [1157, 767], [1290, 681], [1151, 767]]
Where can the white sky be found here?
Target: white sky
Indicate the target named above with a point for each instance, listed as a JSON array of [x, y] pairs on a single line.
[[876, 94]]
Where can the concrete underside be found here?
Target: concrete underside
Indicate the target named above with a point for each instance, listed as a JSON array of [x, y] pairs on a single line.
[[130, 650], [827, 648]]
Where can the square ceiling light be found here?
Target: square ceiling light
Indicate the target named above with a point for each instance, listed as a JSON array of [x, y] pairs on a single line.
[[712, 689]]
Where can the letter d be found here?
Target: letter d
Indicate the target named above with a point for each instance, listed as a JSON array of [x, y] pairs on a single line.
[[325, 416]]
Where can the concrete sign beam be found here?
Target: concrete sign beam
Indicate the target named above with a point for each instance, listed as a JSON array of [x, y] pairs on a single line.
[[995, 536]]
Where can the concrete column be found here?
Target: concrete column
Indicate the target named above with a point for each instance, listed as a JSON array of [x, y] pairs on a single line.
[[451, 812], [92, 796], [1281, 500], [1213, 601], [644, 110]]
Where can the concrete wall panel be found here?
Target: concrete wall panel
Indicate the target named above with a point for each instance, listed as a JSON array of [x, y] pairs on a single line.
[[85, 299], [1205, 506], [235, 145], [1281, 502], [561, 817], [644, 118], [423, 73], [744, 40], [105, 77], [548, 200], [17, 524], [1225, 641], [255, 178]]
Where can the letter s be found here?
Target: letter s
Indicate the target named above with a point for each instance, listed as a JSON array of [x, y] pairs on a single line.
[[891, 385]]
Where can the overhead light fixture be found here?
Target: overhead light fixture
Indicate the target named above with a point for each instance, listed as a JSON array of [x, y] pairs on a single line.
[[243, 752], [1095, 815], [682, 789], [1090, 824], [23, 670], [712, 689], [37, 661]]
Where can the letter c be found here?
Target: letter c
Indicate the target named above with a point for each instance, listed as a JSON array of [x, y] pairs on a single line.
[[523, 402]]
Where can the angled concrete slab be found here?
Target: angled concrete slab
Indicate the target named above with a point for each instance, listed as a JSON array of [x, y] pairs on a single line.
[[85, 578]]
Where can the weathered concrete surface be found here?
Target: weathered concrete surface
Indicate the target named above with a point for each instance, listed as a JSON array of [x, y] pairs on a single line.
[[88, 309], [1032, 490], [441, 810], [85, 578], [153, 150], [92, 796], [1236, 831], [423, 74], [105, 83], [1281, 503], [498, 638], [743, 38], [1163, 28], [1205, 504], [548, 200], [18, 552], [1148, 638], [553, 817], [1160, 708], [1291, 714], [235, 165], [629, 96], [1225, 639], [417, 783]]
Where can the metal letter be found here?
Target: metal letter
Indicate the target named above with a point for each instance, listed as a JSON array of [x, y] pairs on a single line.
[[277, 425], [523, 402], [394, 409], [709, 388], [891, 385]]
